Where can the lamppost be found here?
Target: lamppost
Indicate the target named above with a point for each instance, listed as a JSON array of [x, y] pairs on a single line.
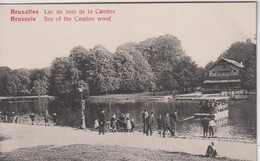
[[82, 102]]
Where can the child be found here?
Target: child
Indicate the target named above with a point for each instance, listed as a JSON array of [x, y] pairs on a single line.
[[96, 125], [32, 116], [54, 119]]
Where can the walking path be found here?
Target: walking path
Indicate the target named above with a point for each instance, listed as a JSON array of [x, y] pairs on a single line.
[[22, 136]]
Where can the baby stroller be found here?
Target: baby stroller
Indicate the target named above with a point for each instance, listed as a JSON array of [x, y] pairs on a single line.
[[121, 124]]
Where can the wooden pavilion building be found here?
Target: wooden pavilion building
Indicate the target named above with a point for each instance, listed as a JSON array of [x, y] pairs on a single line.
[[224, 75]]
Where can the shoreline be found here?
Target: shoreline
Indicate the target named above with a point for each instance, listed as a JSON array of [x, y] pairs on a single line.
[[25, 136]]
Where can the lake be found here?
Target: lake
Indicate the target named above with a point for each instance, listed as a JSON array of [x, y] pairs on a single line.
[[241, 123]]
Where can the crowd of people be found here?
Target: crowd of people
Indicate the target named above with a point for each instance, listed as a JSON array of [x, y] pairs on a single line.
[[46, 118], [123, 124], [166, 124], [7, 116], [210, 106]]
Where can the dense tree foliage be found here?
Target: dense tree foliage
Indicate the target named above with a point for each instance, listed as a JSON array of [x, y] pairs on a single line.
[[155, 64], [14, 82], [172, 68], [64, 80], [40, 81], [78, 55], [100, 72], [133, 70], [4, 72], [244, 52]]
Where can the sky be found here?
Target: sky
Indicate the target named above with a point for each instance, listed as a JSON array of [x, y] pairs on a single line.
[[205, 30]]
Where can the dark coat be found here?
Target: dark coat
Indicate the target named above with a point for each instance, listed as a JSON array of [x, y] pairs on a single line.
[[54, 118], [32, 116], [159, 121], [205, 123], [150, 120], [211, 152], [102, 119], [145, 116], [166, 122], [174, 118], [132, 124], [113, 122], [173, 121]]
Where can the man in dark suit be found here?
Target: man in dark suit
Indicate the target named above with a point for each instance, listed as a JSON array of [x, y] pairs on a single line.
[[149, 123], [144, 116], [166, 123], [102, 122], [205, 125], [173, 120]]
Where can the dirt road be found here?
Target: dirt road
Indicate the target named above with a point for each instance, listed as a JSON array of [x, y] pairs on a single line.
[[22, 136]]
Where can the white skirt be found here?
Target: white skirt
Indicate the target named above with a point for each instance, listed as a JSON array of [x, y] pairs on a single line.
[[128, 125]]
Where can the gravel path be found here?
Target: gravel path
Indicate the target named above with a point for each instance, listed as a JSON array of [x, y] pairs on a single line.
[[23, 136]]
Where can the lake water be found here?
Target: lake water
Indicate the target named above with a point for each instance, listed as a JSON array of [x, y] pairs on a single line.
[[240, 124]]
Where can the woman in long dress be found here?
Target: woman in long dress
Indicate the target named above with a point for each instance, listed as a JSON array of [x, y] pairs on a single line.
[[113, 123], [128, 123]]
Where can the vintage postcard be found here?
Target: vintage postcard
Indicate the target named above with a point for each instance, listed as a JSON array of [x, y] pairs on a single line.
[[128, 81]]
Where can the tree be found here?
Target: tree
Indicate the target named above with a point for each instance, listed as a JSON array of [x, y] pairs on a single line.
[[244, 52], [15, 82], [173, 70], [99, 71], [133, 70], [40, 81], [4, 72], [64, 78], [64, 84], [78, 55], [24, 81], [209, 65], [40, 87], [187, 74]]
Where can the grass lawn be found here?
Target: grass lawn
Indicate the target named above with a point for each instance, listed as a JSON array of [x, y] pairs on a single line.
[[97, 153]]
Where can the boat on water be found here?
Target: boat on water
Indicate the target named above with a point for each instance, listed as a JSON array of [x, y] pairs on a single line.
[[211, 107]]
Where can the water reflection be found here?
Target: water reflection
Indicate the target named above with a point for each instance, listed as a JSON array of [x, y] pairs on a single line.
[[241, 122]]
